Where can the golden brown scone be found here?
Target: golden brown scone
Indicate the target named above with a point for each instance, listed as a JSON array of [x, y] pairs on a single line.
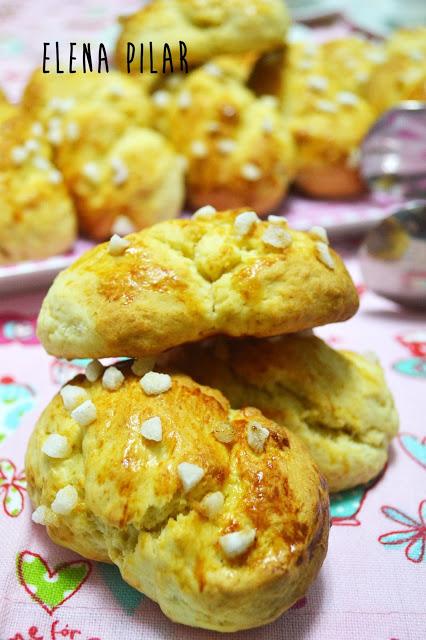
[[208, 29], [7, 110], [337, 402], [140, 503], [37, 217], [183, 280], [116, 169], [403, 75], [327, 138], [328, 122], [239, 152]]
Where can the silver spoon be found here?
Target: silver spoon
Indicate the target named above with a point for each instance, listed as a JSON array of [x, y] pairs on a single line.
[[393, 256], [393, 163], [393, 153]]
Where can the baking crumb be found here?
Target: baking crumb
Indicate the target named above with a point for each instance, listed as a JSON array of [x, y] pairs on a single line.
[[56, 446], [318, 83], [206, 212], [112, 378], [91, 171], [65, 500], [236, 543], [184, 100], [267, 125], [327, 106], [213, 70], [277, 219], [85, 413], [277, 237], [161, 98], [38, 516], [37, 129], [117, 245], [347, 98], [152, 429], [251, 172], [120, 170], [244, 222], [324, 254], [54, 176], [73, 130], [94, 370], [72, 396], [190, 475], [226, 145], [154, 383], [199, 149], [320, 233]]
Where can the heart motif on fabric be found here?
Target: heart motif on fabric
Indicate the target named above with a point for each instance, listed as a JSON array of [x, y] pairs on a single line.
[[414, 446], [50, 588]]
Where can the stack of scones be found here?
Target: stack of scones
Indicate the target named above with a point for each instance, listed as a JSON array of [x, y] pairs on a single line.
[[200, 464]]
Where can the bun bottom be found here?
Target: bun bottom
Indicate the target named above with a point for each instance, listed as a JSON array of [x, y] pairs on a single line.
[[335, 181]]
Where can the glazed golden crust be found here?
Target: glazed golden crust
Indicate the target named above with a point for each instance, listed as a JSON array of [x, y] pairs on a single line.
[[132, 509], [337, 402], [182, 280], [208, 29], [221, 128], [37, 217]]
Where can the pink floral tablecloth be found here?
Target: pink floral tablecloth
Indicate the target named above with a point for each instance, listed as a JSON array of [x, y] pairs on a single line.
[[373, 583]]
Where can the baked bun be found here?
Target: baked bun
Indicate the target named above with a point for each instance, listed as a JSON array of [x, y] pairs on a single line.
[[208, 29], [121, 174], [337, 402], [7, 110], [159, 504], [37, 217], [182, 280], [238, 151], [403, 75], [327, 139], [327, 120], [117, 170]]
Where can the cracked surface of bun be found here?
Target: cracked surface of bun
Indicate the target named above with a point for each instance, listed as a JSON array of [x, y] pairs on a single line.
[[37, 217], [208, 29], [337, 402], [186, 279], [132, 509], [221, 128]]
